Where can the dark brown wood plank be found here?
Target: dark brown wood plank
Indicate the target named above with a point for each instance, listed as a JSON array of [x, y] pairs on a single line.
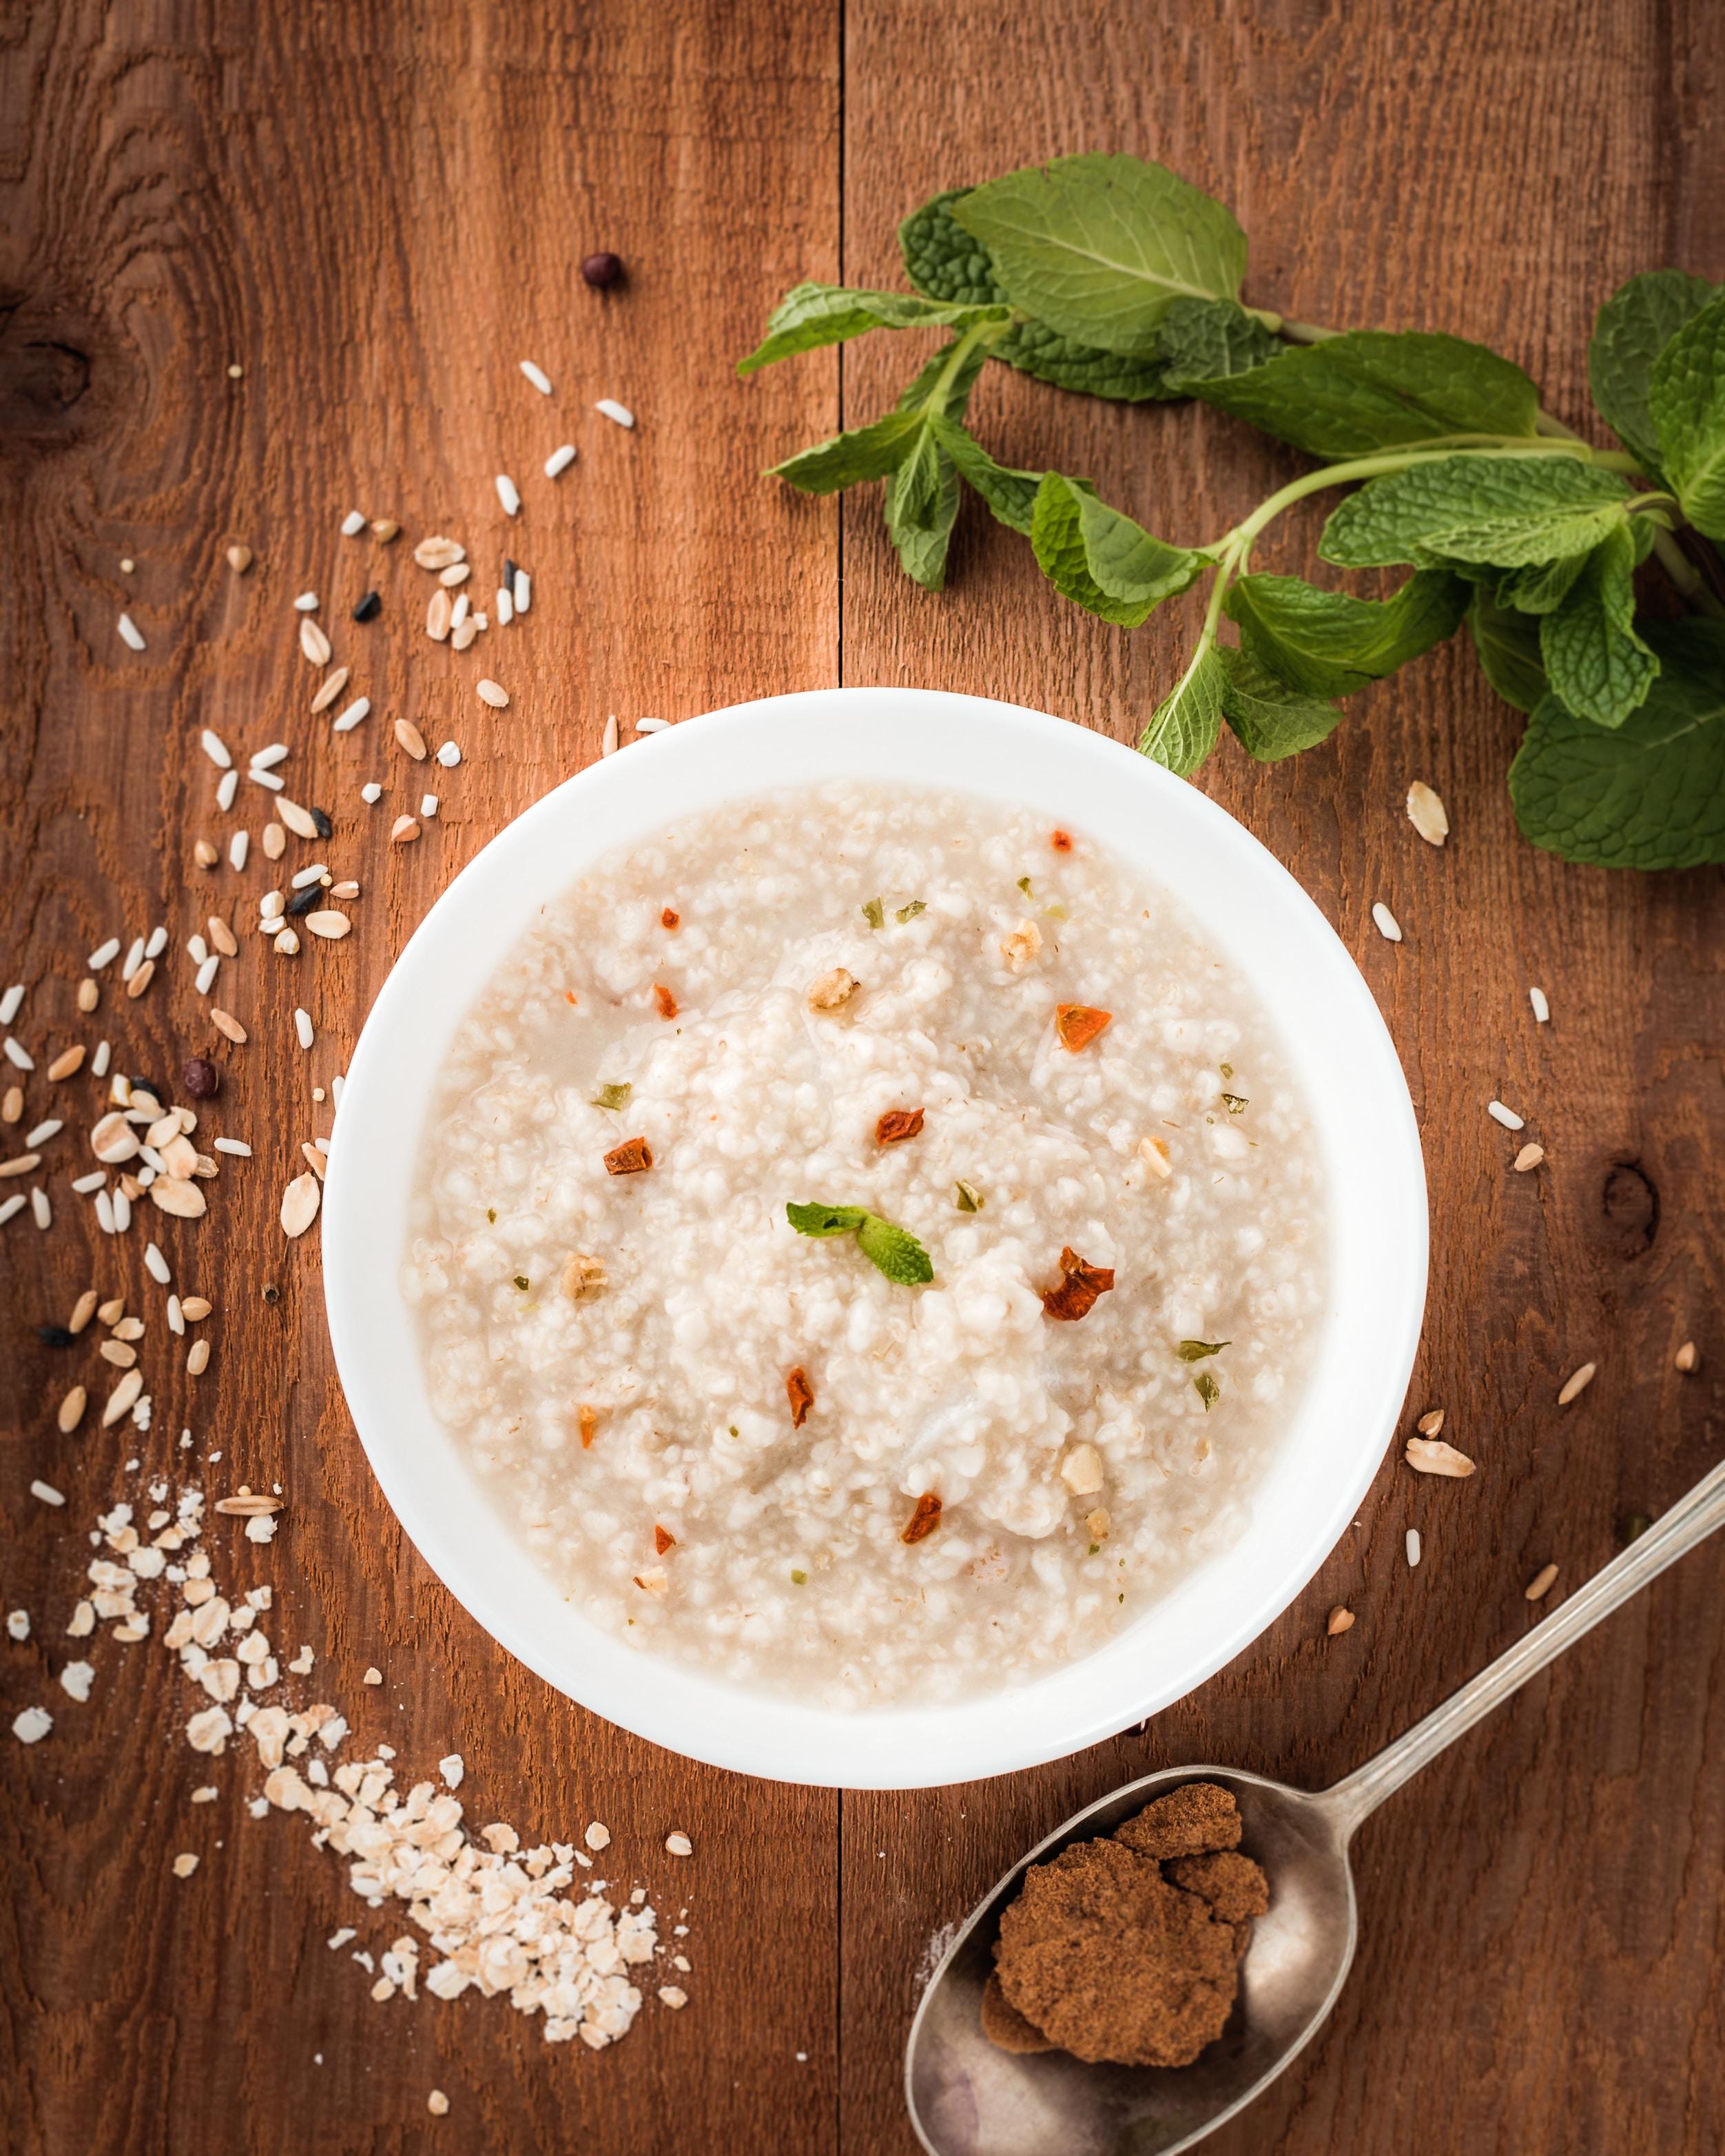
[[379, 213], [1540, 1960]]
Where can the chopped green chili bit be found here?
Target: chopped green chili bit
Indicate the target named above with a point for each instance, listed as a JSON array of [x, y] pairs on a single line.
[[1195, 1351], [1208, 1390], [1226, 1069], [967, 1197], [1025, 885], [1237, 1104], [522, 1282], [874, 914], [799, 1579], [910, 912], [613, 1096]]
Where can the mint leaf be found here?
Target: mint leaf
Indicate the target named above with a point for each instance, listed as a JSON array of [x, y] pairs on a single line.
[[894, 1252], [1269, 719], [1101, 557], [1498, 510], [1185, 725], [1010, 494], [864, 453], [1099, 247], [1208, 340], [1650, 794], [873, 912], [1596, 663], [810, 316], [1542, 587], [1330, 644], [1630, 330], [825, 1220], [1195, 1351], [1376, 389], [921, 505], [1508, 648], [944, 261], [1687, 397]]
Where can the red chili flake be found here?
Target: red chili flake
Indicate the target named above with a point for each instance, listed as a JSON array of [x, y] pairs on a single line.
[[589, 1420], [1080, 1284], [801, 1395], [1061, 841], [666, 1001], [668, 919], [925, 1519], [663, 1539], [628, 1159], [569, 996], [896, 1125], [1077, 1025]]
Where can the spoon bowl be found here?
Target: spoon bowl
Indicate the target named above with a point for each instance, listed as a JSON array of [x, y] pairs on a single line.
[[969, 2097]]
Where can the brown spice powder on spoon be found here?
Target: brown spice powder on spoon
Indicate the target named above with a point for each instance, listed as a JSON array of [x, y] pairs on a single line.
[[1108, 1955]]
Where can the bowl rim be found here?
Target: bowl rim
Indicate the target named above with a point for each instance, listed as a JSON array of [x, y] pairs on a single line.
[[1254, 910]]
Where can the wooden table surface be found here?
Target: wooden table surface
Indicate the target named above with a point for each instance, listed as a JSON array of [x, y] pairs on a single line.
[[376, 211]]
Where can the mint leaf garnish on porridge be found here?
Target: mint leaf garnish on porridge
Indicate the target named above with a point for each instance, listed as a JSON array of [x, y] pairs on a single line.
[[874, 913], [613, 1096], [825, 1220], [968, 1197], [894, 1252], [1208, 1390], [910, 912], [1195, 1351]]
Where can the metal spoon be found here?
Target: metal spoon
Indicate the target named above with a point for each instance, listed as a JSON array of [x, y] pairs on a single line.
[[968, 2098]]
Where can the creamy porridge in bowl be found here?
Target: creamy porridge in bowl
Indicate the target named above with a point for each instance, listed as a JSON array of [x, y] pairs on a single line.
[[1075, 1259], [874, 1237]]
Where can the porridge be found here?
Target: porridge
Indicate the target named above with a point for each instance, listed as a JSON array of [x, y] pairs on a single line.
[[868, 1245]]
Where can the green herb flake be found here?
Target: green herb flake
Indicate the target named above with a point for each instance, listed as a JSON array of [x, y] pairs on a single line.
[[1025, 885], [1208, 1390], [910, 912], [613, 1096], [522, 1282], [799, 1579], [1237, 1104], [967, 1197], [874, 914], [1226, 1069], [892, 1251], [492, 1214], [1195, 1351], [1093, 1549]]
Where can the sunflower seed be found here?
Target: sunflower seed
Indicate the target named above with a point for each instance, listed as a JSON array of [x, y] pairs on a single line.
[[239, 559], [330, 688], [490, 693], [440, 616], [1431, 1455], [438, 553], [1389, 926], [300, 1202], [1686, 1357], [181, 1198], [300, 821], [1576, 1382], [313, 642], [1541, 1584], [1530, 1156], [330, 926], [1426, 813]]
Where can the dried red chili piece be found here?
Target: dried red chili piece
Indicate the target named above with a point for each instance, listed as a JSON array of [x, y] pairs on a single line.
[[1061, 841], [1080, 1284], [896, 1125], [628, 1159], [669, 918], [925, 1519], [666, 1001], [589, 1420], [663, 1539], [1077, 1024], [801, 1395]]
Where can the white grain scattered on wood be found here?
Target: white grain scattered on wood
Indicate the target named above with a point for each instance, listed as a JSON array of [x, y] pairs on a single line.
[[1507, 1116], [216, 749], [537, 375], [104, 954], [1412, 1545], [226, 790], [508, 494], [1576, 1382], [1388, 927], [239, 846], [352, 524], [266, 759], [303, 1027], [612, 410], [1542, 1009], [1427, 814], [560, 459], [130, 633]]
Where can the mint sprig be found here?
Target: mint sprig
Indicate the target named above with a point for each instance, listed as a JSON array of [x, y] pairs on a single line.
[[1113, 277], [890, 1249]]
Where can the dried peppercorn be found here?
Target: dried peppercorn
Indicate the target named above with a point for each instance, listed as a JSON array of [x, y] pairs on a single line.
[[325, 829], [200, 1078], [602, 270]]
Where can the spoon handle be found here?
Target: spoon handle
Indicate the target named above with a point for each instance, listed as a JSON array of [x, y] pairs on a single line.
[[1690, 1520]]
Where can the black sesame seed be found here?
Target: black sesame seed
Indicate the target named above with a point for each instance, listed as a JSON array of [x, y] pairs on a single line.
[[55, 1335], [325, 829], [305, 901], [272, 1294], [509, 573], [369, 608], [145, 1085], [600, 270]]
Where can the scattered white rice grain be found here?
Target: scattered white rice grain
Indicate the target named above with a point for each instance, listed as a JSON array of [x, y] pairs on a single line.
[[448, 755], [76, 1679], [306, 603], [537, 375], [1427, 814], [158, 942], [104, 954], [523, 594], [651, 726], [197, 950], [103, 1212], [47, 1493], [508, 494], [1576, 1382], [122, 1211], [597, 1835], [490, 692], [85, 1183], [10, 1001], [41, 1208], [134, 958], [266, 759], [371, 792], [452, 1767], [352, 524], [9, 1206], [505, 606], [176, 1317], [609, 742], [1507, 1116], [612, 410], [427, 806], [265, 778], [18, 1624], [302, 1026], [239, 846], [1412, 1545], [43, 1132], [1542, 1009], [1388, 927], [129, 632], [216, 749], [560, 459], [237, 1147], [206, 978], [679, 1845], [225, 791], [98, 1061], [19, 1055], [155, 1265], [313, 872], [461, 609]]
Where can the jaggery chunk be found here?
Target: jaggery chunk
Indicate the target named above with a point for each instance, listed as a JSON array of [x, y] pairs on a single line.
[[1188, 1822], [1234, 1887], [1003, 2025], [1112, 1963]]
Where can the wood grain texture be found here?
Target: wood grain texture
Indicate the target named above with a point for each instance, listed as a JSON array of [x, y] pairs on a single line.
[[377, 211]]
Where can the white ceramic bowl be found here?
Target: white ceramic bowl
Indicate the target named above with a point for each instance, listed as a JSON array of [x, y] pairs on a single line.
[[1254, 911]]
